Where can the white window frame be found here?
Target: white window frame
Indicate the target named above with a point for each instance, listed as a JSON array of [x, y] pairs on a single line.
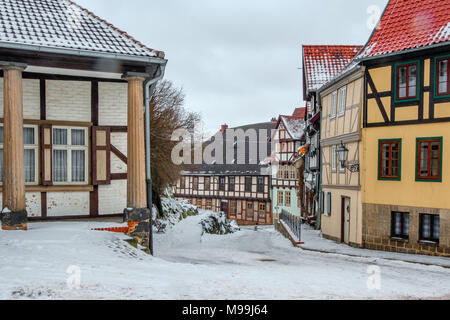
[[34, 147], [333, 104], [333, 159], [69, 149], [342, 101]]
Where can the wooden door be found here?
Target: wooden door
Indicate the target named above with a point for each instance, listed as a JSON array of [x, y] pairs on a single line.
[[224, 208]]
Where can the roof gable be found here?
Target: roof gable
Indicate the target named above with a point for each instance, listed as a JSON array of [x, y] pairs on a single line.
[[322, 63], [409, 24], [62, 24]]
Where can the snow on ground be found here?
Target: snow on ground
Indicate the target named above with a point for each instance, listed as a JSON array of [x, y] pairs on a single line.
[[245, 265]]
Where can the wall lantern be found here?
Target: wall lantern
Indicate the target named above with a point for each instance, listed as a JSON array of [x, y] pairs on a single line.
[[342, 153]]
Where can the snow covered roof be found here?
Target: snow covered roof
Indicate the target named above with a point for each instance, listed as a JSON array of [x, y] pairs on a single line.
[[62, 24], [324, 62], [294, 126], [409, 24]]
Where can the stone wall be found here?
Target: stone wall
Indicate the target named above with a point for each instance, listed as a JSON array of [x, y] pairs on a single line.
[[377, 230]]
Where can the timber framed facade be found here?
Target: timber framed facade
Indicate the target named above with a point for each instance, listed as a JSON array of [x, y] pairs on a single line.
[[71, 117]]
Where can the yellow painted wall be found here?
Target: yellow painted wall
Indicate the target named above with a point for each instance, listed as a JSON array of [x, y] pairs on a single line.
[[442, 110], [407, 113], [379, 76], [406, 192]]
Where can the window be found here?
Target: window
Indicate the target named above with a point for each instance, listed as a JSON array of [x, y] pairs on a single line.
[[442, 77], [342, 100], [333, 158], [231, 184], [194, 202], [333, 104], [260, 184], [280, 198], [262, 210], [195, 184], [329, 203], [293, 173], [407, 75], [182, 182], [321, 202], [282, 134], [286, 172], [288, 199], [70, 149], [233, 208], [250, 209], [429, 159], [400, 225], [389, 160], [222, 184], [207, 184], [429, 227], [208, 204], [248, 184], [30, 141], [280, 172]]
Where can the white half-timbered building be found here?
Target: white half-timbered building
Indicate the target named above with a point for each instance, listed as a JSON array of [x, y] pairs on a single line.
[[240, 189], [72, 90]]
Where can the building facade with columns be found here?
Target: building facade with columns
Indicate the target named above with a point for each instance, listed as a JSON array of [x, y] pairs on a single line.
[[72, 138]]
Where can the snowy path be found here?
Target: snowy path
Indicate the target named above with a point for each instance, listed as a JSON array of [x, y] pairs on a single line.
[[245, 265]]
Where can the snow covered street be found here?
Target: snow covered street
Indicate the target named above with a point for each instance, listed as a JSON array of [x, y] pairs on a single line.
[[43, 263]]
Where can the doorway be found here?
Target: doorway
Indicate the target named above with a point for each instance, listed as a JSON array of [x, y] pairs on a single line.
[[224, 208], [345, 220]]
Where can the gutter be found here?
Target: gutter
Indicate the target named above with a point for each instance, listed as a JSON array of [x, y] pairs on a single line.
[[149, 89], [159, 59]]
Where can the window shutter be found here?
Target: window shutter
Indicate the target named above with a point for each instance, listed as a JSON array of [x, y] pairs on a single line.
[[329, 203], [321, 202], [101, 156], [46, 155]]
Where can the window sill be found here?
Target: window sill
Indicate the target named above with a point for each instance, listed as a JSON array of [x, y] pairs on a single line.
[[400, 239], [428, 242]]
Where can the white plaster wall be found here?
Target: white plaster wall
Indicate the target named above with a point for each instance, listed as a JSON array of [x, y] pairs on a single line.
[[68, 100], [67, 204], [31, 99], [112, 198], [112, 103], [118, 140]]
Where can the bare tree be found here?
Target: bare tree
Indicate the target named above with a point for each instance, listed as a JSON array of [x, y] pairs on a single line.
[[167, 114]]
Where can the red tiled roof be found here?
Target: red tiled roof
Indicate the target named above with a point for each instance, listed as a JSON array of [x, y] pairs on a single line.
[[62, 24], [322, 63], [299, 112], [409, 24]]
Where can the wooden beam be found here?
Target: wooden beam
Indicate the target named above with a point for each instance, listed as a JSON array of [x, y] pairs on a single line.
[[93, 195], [377, 97], [57, 188], [119, 154]]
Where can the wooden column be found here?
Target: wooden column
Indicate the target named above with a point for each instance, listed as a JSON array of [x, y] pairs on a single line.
[[136, 187], [13, 151]]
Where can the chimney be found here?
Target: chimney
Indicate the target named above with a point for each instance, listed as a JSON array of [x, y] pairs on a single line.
[[274, 120], [224, 128]]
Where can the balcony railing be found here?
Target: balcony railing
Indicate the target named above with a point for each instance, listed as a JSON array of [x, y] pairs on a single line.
[[294, 223]]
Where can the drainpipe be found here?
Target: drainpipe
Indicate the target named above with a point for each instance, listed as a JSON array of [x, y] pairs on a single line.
[[149, 89]]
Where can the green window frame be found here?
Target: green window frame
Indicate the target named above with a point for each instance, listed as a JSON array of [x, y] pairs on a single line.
[[381, 142], [441, 154], [396, 79], [436, 95]]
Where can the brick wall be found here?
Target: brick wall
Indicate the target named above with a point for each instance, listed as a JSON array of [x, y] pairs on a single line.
[[377, 230]]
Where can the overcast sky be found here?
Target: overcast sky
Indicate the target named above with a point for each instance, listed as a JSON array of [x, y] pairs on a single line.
[[238, 60]]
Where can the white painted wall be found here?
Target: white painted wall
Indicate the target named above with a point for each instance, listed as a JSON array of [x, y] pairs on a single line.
[[112, 104], [67, 204], [33, 201], [118, 140], [68, 100], [31, 99], [112, 198]]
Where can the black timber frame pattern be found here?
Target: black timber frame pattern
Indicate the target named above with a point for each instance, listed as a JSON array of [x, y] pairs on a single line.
[[392, 62]]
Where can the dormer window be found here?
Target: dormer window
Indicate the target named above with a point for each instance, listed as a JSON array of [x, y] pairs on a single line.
[[407, 75]]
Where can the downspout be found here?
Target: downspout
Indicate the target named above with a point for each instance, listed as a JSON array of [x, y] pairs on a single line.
[[149, 90]]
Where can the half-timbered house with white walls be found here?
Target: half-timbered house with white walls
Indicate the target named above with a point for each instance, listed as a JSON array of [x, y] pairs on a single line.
[[286, 137], [71, 113], [240, 188], [320, 64]]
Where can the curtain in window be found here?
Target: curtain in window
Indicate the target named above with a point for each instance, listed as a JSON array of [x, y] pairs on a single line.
[[28, 136], [78, 165], [60, 165], [29, 163], [436, 228], [426, 226], [398, 223], [60, 136], [406, 225], [402, 82], [78, 137], [443, 76]]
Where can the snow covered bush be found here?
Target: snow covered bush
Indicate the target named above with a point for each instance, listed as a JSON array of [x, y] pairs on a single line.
[[174, 211], [217, 223]]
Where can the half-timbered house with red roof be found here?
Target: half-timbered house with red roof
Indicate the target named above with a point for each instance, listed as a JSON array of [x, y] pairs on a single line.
[[241, 187], [320, 64], [286, 138], [71, 114]]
